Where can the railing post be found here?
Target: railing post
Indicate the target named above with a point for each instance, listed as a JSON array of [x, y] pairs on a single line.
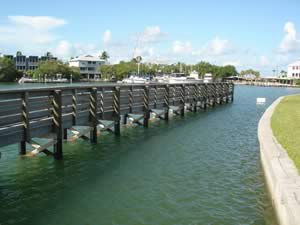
[[116, 106], [205, 94], [182, 99], [93, 115], [26, 123], [57, 123], [146, 106], [232, 92], [74, 107], [167, 102], [195, 99], [155, 97]]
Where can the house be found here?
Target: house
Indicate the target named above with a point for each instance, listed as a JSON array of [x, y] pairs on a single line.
[[88, 66], [294, 70]]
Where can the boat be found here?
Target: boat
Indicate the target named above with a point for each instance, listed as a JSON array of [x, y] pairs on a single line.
[[178, 78], [134, 80], [207, 78], [27, 80]]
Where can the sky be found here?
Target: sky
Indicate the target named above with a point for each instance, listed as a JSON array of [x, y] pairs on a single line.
[[247, 34]]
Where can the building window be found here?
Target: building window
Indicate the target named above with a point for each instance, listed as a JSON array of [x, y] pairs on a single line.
[[293, 74]]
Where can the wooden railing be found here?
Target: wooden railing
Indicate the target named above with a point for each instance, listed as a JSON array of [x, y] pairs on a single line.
[[50, 112]]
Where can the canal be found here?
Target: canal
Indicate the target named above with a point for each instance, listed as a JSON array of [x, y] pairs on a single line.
[[200, 169]]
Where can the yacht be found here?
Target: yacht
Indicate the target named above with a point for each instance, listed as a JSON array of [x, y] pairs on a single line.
[[208, 78], [134, 80]]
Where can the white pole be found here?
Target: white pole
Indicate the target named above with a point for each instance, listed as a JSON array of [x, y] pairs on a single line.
[[138, 68]]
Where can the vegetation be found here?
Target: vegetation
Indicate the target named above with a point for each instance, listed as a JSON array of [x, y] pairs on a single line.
[[286, 126], [122, 69], [54, 67], [104, 56], [8, 72], [250, 72]]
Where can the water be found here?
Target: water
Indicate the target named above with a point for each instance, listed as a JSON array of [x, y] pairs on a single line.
[[201, 169]]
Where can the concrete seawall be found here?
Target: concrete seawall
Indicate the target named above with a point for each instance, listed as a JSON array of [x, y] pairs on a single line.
[[281, 174]]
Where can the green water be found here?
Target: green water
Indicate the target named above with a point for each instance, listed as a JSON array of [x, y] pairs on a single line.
[[201, 169]]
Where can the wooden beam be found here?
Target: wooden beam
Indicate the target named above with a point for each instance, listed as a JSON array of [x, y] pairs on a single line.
[[146, 92], [116, 107], [167, 102], [57, 124], [26, 123], [182, 99], [93, 115]]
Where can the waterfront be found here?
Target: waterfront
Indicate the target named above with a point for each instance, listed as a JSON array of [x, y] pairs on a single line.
[[209, 173]]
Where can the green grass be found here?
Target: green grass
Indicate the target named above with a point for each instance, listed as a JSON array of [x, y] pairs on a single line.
[[286, 126]]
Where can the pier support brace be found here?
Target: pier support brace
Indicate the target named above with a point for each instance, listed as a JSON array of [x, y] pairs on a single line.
[[167, 102], [146, 106], [93, 115], [57, 124], [116, 106]]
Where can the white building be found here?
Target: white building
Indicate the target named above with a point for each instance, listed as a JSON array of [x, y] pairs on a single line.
[[294, 70], [88, 66]]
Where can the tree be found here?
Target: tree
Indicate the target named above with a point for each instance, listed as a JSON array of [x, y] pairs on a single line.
[[8, 72], [227, 71], [250, 72], [49, 55], [104, 56], [19, 53], [53, 67], [283, 73]]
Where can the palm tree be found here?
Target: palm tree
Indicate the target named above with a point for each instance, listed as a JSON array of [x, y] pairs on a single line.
[[104, 56]]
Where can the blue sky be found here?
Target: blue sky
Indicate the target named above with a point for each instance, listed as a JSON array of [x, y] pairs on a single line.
[[248, 34]]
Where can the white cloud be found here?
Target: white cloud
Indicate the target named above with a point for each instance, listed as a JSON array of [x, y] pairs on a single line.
[[107, 36], [29, 31], [152, 34], [263, 61], [290, 43], [236, 63], [180, 47], [144, 52], [219, 47], [37, 22], [65, 50]]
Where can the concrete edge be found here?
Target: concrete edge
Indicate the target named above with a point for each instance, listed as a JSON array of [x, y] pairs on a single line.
[[281, 174]]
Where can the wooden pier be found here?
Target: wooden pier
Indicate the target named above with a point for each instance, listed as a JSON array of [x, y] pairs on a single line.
[[60, 114]]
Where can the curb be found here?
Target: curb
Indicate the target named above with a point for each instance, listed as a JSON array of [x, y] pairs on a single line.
[[282, 177]]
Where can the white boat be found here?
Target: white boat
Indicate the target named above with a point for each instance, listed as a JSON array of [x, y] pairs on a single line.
[[208, 78], [27, 80], [134, 80], [174, 79]]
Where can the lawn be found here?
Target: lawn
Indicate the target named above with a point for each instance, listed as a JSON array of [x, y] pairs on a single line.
[[286, 126]]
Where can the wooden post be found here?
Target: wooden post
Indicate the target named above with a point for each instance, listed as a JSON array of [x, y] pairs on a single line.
[[146, 106], [101, 103], [195, 99], [57, 123], [130, 99], [93, 115], [74, 107], [232, 91], [227, 92], [65, 134], [116, 106], [26, 123], [155, 97], [182, 99], [205, 94], [167, 102]]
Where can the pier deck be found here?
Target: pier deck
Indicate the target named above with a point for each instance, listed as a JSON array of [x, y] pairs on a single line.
[[54, 113]]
